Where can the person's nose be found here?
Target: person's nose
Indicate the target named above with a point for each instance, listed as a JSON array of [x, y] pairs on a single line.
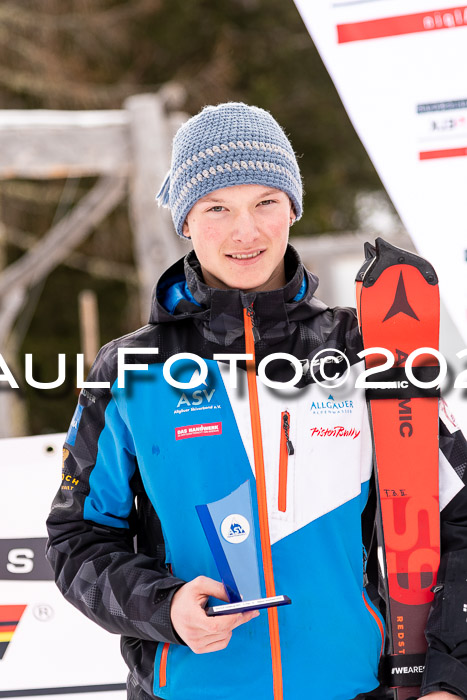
[[245, 228]]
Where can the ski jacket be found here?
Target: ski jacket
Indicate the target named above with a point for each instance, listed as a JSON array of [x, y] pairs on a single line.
[[124, 533]]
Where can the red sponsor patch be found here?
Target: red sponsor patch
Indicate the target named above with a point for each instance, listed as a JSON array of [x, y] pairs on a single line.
[[190, 431], [403, 24]]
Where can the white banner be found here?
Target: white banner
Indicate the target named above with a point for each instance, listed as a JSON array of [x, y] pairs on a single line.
[[46, 645], [399, 67]]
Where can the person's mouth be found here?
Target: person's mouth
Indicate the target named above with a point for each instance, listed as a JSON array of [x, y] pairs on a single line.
[[245, 256]]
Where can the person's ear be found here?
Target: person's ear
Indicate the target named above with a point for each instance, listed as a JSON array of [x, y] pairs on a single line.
[[292, 213], [186, 230]]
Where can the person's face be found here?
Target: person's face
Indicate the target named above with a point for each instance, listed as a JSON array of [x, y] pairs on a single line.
[[240, 234]]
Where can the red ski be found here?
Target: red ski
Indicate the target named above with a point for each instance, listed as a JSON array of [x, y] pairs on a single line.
[[398, 306]]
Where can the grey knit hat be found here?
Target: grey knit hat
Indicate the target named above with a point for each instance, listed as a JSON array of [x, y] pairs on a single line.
[[224, 145]]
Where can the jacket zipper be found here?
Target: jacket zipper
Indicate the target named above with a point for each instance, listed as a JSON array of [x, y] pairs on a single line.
[[262, 502], [365, 560], [165, 651], [163, 666], [367, 602], [286, 449], [376, 619]]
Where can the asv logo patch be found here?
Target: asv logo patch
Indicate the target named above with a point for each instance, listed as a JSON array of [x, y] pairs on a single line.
[[199, 400], [235, 528], [196, 398]]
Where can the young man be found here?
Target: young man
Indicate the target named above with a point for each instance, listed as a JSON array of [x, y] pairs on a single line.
[[143, 456]]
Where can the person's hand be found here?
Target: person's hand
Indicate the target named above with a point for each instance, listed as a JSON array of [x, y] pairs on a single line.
[[201, 633], [441, 695]]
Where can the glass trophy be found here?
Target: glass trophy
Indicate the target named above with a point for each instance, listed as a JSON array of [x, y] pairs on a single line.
[[229, 528]]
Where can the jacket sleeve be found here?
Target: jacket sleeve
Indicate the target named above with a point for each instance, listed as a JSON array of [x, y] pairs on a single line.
[[446, 630], [92, 527]]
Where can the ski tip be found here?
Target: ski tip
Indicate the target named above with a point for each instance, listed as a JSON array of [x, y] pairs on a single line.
[[387, 255], [370, 253], [369, 250]]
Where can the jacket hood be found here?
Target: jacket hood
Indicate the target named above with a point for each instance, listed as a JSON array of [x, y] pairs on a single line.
[[182, 294]]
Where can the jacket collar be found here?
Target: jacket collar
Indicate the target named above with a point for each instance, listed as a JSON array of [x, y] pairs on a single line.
[[218, 313]]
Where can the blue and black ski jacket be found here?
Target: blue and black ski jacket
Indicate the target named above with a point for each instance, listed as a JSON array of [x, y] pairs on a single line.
[[124, 533]]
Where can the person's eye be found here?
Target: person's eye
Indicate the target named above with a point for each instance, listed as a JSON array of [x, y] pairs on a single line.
[[266, 202], [217, 208]]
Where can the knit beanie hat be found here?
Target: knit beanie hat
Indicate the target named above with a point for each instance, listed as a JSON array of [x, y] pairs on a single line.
[[224, 145]]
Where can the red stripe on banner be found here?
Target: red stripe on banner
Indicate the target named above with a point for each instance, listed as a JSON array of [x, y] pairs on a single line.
[[443, 153], [11, 613], [404, 24]]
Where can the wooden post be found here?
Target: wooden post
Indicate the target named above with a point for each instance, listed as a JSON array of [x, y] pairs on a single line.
[[156, 244], [89, 326], [5, 393], [13, 418]]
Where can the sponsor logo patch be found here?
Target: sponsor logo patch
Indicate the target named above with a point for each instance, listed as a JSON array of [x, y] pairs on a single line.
[[447, 417], [73, 429], [331, 406], [407, 669], [68, 480], [87, 394], [199, 400], [336, 431], [190, 431]]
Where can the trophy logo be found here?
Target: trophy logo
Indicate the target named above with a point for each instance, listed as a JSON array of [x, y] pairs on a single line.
[[235, 528], [229, 528]]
